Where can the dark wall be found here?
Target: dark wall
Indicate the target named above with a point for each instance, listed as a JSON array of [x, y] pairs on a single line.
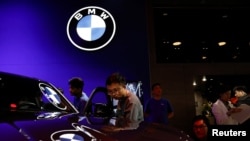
[[34, 42]]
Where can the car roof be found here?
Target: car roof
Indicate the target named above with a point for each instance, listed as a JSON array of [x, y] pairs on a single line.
[[15, 86], [16, 76], [16, 82]]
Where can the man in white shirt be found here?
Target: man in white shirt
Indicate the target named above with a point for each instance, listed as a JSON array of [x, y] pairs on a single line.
[[223, 108]]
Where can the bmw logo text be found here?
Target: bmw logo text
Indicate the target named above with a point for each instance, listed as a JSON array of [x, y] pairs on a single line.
[[91, 28]]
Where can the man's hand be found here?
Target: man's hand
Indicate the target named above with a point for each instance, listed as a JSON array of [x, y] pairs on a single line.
[[233, 110]]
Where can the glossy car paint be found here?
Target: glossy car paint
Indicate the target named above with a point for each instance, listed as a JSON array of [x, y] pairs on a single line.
[[39, 124], [34, 110]]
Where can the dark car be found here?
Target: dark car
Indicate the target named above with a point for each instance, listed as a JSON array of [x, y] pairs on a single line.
[[34, 110]]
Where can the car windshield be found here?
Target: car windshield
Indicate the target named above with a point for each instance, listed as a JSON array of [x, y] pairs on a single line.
[[25, 97]]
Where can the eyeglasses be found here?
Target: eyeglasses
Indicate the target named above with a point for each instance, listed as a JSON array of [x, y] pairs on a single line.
[[114, 91], [199, 127]]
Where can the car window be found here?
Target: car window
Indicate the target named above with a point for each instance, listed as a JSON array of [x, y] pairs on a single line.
[[99, 103]]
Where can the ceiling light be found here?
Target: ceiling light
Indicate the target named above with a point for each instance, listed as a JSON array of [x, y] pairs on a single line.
[[222, 43], [204, 78], [194, 83], [205, 48], [204, 57], [224, 16], [165, 14], [176, 43], [235, 57]]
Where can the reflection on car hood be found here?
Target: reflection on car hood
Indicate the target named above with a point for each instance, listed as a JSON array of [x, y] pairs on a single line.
[[49, 115], [49, 126]]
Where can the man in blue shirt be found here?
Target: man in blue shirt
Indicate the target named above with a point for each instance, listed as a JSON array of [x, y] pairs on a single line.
[[76, 85], [157, 109]]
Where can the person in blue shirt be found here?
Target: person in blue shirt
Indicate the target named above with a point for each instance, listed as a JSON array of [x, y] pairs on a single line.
[[158, 109], [76, 85]]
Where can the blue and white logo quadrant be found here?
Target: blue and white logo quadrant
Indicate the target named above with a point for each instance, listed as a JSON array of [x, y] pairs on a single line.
[[91, 28], [71, 137]]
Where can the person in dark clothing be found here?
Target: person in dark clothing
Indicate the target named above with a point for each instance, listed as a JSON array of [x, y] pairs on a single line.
[[76, 85], [242, 96]]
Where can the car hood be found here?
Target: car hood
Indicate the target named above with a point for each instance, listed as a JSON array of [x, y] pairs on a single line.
[[51, 126]]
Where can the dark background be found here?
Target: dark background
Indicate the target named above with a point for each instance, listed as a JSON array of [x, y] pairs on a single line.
[[33, 41]]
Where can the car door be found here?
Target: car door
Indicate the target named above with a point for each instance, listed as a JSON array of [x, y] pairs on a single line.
[[99, 108]]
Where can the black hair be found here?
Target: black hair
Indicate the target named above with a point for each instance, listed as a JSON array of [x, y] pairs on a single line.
[[154, 85], [221, 88], [240, 88], [76, 82], [201, 117], [205, 120], [116, 78]]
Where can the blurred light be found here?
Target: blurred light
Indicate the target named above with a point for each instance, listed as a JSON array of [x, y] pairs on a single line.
[[222, 43], [225, 16], [235, 57], [204, 57], [204, 78], [176, 43], [194, 83], [165, 14], [13, 105]]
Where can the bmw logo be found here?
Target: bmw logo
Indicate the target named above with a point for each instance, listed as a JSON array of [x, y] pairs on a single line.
[[91, 28]]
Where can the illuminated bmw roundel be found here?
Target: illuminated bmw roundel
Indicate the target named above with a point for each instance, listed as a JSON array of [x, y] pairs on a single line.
[[91, 28], [71, 137]]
